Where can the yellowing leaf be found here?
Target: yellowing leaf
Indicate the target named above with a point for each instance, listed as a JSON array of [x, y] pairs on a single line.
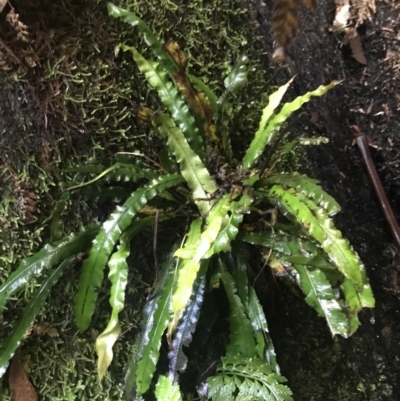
[[104, 344]]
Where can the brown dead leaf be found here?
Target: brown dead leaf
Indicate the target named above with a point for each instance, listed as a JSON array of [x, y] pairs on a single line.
[[2, 5], [363, 10], [20, 387], [173, 49], [354, 41]]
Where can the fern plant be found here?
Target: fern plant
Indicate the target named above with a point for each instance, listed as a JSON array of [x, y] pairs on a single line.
[[235, 205]]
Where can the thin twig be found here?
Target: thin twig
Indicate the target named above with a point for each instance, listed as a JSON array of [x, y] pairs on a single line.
[[362, 143]]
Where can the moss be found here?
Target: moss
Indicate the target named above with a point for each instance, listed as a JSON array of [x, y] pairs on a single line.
[[80, 103]]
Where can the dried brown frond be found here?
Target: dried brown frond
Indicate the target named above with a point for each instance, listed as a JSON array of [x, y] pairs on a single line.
[[2, 5], [285, 24], [20, 29], [284, 21], [363, 10]]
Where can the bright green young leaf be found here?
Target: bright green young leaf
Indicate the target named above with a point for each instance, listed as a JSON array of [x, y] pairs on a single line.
[[308, 187], [93, 267], [317, 224], [192, 256], [172, 99], [267, 135], [274, 101], [192, 168], [142, 364], [49, 256], [228, 233], [166, 390], [241, 334], [240, 379], [29, 313], [187, 325]]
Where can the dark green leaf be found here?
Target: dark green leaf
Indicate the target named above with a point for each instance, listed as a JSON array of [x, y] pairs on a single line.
[[29, 313], [93, 267], [241, 335], [49, 256], [187, 325], [142, 364]]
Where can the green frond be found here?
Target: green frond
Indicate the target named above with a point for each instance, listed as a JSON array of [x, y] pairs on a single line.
[[142, 363], [159, 79], [93, 267], [192, 168], [264, 345], [276, 241], [156, 45], [187, 324], [241, 334], [118, 275], [234, 82], [49, 256], [237, 78], [28, 316], [192, 254], [307, 186], [239, 269], [116, 172], [320, 296], [317, 224], [273, 122], [229, 231]]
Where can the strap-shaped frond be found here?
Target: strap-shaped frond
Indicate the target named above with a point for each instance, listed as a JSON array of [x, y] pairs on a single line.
[[228, 233], [93, 267], [49, 256], [241, 334], [320, 296], [307, 186], [116, 172], [193, 170], [159, 79], [192, 254], [317, 224], [235, 81], [239, 379], [118, 275], [265, 136], [273, 240], [187, 325], [156, 45], [143, 361], [265, 347], [29, 313]]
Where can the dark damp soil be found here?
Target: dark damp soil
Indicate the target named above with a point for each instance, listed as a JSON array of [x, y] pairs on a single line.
[[367, 366]]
